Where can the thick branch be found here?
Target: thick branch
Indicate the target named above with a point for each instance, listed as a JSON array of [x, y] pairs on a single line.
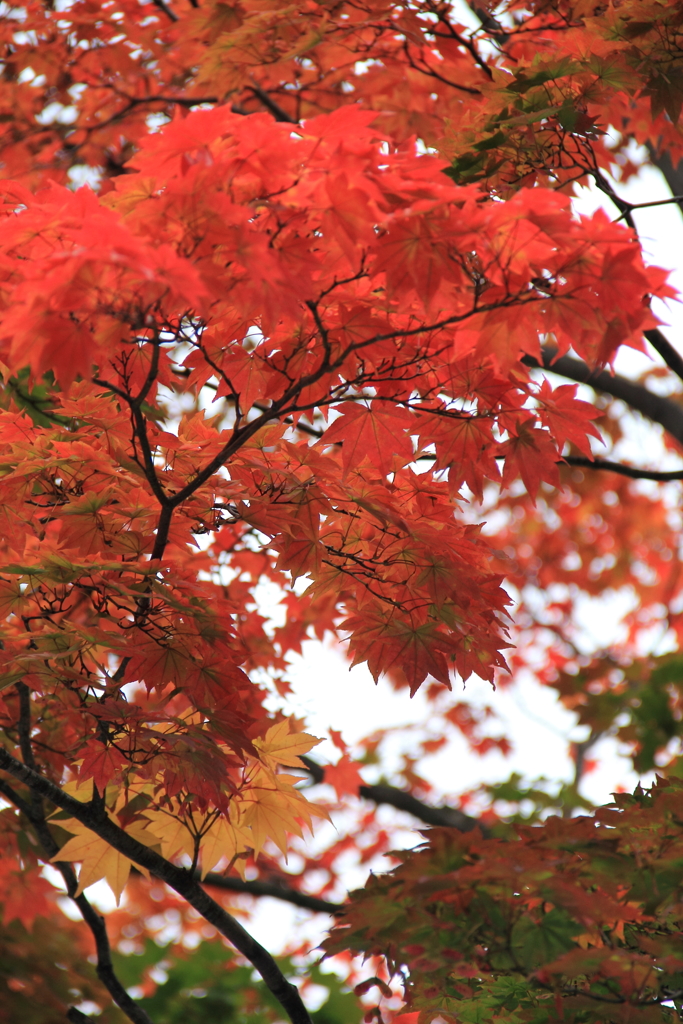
[[450, 817], [76, 1016], [181, 881], [655, 407], [490, 24]]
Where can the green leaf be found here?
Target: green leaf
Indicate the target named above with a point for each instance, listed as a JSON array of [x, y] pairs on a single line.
[[539, 942], [524, 82]]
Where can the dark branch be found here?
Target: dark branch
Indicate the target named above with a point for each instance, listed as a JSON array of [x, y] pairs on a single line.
[[622, 205], [666, 350], [93, 817], [167, 10], [619, 467], [75, 1016], [672, 175], [279, 891], [490, 24], [652, 202], [449, 817], [655, 407], [269, 103]]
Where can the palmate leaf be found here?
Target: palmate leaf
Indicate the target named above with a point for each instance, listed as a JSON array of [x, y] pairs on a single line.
[[386, 642], [344, 777], [375, 434], [98, 859], [186, 833], [536, 942], [274, 811], [280, 746], [172, 832]]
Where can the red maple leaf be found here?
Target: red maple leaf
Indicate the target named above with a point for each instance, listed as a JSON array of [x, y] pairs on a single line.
[[377, 434], [344, 776]]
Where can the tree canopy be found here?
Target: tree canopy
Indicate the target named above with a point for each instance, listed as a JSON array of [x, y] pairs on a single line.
[[294, 296]]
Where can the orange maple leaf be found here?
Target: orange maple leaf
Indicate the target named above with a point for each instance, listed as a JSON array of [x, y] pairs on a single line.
[[344, 777]]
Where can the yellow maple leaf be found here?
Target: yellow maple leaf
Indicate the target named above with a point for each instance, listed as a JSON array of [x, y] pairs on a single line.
[[280, 746], [173, 832], [224, 839], [79, 790], [221, 838], [269, 815], [99, 859], [271, 807]]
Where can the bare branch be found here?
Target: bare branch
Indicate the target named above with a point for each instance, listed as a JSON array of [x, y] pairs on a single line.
[[652, 202], [666, 350], [269, 103], [278, 890], [490, 24], [76, 1016], [449, 817], [619, 467], [672, 175], [167, 10], [24, 724]]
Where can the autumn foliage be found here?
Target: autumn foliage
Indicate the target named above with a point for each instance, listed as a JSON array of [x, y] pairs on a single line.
[[289, 334]]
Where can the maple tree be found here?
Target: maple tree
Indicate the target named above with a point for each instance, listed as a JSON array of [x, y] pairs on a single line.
[[309, 324]]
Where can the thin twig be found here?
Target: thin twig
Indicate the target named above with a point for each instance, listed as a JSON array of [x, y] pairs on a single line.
[[619, 467], [255, 887], [167, 10], [643, 206]]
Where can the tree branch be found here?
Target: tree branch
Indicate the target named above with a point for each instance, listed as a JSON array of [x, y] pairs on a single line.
[[269, 103], [167, 10], [448, 817], [490, 24], [672, 175], [278, 890], [651, 202], [76, 1016], [619, 467], [655, 407], [666, 350], [94, 818]]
